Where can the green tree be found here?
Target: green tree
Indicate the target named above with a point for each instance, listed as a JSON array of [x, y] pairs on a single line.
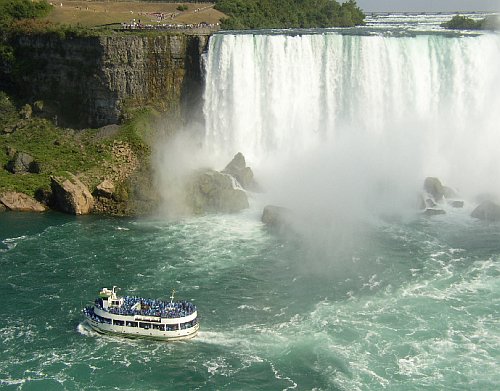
[[256, 14]]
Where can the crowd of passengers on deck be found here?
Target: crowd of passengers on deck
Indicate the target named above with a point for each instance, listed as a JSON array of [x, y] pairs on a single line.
[[151, 307], [89, 312]]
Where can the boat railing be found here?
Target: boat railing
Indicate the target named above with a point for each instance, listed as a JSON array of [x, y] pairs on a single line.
[[150, 307]]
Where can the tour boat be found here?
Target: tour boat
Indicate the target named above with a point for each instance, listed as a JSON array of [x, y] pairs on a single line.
[[137, 317]]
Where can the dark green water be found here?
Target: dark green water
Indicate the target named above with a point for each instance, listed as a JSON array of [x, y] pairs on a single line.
[[406, 306]]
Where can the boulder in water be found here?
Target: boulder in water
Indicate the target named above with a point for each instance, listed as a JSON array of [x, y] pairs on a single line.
[[487, 211], [20, 202], [456, 203], [434, 187], [238, 169], [276, 216], [210, 191], [71, 195], [434, 212]]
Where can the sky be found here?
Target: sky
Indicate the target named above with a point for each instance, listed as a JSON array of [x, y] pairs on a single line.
[[429, 5]]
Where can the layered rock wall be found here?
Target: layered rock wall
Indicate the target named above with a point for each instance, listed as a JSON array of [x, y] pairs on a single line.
[[87, 82]]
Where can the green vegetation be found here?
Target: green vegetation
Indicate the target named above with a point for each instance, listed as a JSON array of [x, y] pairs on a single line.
[[459, 22], [57, 150], [257, 14], [12, 10]]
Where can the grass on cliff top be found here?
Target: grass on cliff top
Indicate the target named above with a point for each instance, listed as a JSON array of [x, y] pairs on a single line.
[[58, 150], [102, 13]]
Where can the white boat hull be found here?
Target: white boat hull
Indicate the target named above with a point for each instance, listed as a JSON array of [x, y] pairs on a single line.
[[135, 332]]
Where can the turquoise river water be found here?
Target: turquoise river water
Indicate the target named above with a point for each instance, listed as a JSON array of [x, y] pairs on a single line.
[[403, 306]]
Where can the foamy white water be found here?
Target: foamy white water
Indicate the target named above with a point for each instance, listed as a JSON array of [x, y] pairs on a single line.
[[395, 107]]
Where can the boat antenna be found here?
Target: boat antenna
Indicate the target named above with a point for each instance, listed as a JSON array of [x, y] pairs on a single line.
[[172, 297]]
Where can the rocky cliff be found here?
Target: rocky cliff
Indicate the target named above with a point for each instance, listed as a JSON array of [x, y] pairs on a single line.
[[89, 81]]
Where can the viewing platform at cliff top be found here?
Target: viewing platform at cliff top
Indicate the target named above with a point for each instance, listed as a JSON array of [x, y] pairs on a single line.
[[136, 15]]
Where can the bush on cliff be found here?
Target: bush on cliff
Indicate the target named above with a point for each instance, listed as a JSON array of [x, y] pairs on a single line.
[[11, 10], [258, 14]]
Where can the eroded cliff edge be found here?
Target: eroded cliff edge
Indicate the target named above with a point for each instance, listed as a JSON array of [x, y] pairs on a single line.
[[90, 81]]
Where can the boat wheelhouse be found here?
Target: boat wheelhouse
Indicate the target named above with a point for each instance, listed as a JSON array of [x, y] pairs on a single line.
[[137, 317]]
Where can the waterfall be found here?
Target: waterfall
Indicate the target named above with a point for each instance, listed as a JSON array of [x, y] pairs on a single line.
[[382, 108]]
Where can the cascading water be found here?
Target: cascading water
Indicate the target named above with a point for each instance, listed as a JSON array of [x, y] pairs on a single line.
[[384, 108]]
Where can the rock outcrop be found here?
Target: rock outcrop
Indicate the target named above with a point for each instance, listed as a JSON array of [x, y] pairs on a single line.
[[85, 81], [22, 163], [435, 194], [70, 195], [20, 202], [434, 187], [238, 169], [276, 216], [487, 211], [210, 191], [105, 189]]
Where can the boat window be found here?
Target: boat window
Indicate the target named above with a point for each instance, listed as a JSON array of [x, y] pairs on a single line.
[[187, 325], [159, 327], [132, 324], [118, 322], [144, 325], [103, 319]]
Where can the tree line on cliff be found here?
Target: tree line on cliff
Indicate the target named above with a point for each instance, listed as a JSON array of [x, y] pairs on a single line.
[[461, 22], [259, 14]]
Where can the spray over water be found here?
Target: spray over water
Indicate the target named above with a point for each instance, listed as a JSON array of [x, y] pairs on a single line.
[[356, 120]]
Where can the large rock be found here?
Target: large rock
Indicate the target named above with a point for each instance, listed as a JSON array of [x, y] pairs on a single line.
[[20, 163], [105, 189], [70, 195], [20, 202], [238, 169], [434, 187], [488, 211], [276, 216], [433, 212], [210, 191]]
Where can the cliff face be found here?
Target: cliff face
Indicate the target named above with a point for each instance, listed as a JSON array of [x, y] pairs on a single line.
[[88, 81]]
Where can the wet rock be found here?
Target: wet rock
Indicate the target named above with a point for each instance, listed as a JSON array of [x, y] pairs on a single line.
[[448, 192], [456, 203], [434, 212], [434, 187], [209, 191], [238, 169], [276, 216], [71, 195], [20, 202], [487, 211]]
